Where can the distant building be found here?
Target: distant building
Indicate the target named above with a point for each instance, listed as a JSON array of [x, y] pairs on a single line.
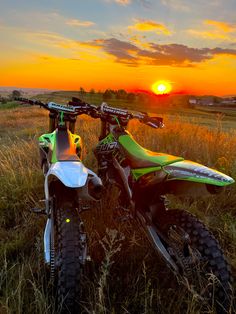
[[228, 101], [203, 101], [207, 101], [192, 101]]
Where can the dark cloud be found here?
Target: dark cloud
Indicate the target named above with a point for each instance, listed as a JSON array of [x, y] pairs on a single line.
[[175, 54], [223, 51], [158, 54], [123, 51]]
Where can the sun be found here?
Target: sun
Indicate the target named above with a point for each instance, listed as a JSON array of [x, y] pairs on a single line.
[[161, 87]]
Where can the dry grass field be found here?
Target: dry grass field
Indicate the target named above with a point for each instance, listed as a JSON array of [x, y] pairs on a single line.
[[125, 275]]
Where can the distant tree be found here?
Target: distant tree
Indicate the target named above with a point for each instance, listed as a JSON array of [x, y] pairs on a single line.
[[92, 91], [216, 100], [180, 101], [142, 97], [3, 100], [107, 94], [131, 97], [15, 93], [121, 94], [82, 91]]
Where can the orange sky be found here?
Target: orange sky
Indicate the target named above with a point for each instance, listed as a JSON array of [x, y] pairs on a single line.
[[120, 44]]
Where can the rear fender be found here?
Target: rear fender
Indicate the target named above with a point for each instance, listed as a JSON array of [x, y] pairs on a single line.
[[187, 177]]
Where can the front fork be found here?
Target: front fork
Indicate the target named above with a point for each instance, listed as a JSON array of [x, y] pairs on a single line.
[[49, 254], [48, 232], [47, 241], [155, 238]]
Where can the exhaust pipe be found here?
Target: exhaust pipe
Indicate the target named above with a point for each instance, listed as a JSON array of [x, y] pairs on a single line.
[[95, 187]]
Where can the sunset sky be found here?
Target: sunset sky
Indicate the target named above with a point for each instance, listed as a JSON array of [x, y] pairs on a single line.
[[130, 44]]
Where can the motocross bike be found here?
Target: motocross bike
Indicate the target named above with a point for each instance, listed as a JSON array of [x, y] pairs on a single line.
[[70, 188], [143, 178]]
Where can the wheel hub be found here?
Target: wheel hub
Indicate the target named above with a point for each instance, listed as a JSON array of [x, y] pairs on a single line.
[[180, 249]]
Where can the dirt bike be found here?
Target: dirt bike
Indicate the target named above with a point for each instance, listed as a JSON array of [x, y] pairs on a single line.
[[143, 179], [70, 188]]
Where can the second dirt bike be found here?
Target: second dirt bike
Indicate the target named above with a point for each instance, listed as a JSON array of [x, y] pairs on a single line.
[[143, 178]]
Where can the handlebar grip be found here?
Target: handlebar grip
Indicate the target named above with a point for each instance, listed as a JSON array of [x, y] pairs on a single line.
[[158, 122], [154, 122]]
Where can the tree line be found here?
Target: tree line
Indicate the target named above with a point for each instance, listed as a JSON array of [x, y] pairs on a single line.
[[15, 93]]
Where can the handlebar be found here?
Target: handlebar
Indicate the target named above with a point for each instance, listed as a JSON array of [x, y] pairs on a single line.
[[74, 107], [106, 113], [125, 116], [31, 101]]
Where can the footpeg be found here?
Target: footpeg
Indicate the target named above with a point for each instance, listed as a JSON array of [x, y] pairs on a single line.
[[38, 210], [88, 258]]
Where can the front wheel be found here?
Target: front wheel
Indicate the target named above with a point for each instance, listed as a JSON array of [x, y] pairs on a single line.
[[199, 258], [68, 246]]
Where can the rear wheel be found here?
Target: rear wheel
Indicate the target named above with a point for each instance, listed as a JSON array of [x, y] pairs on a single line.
[[68, 246], [199, 257]]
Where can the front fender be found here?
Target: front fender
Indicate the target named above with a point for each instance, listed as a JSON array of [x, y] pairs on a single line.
[[72, 174]]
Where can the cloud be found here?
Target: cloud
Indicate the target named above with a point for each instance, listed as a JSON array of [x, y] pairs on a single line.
[[222, 26], [122, 2], [158, 54], [150, 26], [51, 39], [144, 3], [209, 35], [177, 5], [79, 23], [49, 58], [216, 30], [139, 41]]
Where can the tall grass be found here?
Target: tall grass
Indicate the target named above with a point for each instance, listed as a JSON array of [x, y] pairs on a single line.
[[125, 274]]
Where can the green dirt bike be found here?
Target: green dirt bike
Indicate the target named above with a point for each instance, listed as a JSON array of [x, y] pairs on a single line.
[[70, 188], [143, 178]]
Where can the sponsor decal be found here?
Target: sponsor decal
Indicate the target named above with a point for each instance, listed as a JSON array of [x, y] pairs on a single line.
[[107, 147], [53, 105], [115, 111], [43, 143], [198, 172]]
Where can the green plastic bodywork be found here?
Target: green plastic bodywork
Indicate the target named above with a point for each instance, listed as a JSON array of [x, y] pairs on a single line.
[[133, 148], [176, 168], [138, 173], [48, 140], [191, 171], [108, 139]]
